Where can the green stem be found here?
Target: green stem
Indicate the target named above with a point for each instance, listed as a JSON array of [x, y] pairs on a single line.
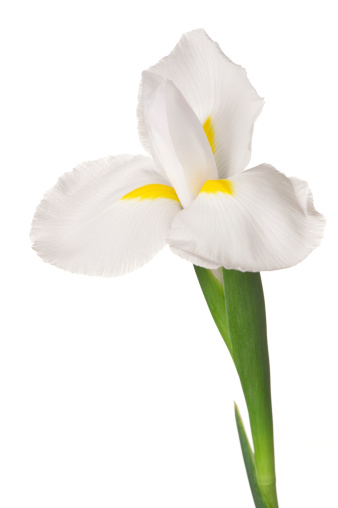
[[244, 330]]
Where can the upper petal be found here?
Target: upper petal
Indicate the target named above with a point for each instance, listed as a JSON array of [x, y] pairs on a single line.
[[106, 217], [177, 141], [259, 220], [219, 93]]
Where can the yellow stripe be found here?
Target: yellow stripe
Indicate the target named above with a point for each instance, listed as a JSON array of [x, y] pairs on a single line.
[[152, 191], [210, 133], [213, 186]]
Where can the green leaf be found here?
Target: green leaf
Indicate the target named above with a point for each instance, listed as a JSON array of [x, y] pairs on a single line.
[[214, 295], [245, 315], [249, 462], [238, 310]]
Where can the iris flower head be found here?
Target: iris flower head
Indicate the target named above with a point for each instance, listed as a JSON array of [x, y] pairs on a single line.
[[196, 114]]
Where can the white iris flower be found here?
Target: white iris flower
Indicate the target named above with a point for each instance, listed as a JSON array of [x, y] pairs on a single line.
[[196, 115]]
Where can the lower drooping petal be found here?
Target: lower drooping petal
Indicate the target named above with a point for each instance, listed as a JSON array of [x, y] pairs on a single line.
[[258, 220], [106, 217]]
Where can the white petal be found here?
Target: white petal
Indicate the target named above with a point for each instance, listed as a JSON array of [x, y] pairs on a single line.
[[83, 225], [218, 91], [266, 222], [178, 143]]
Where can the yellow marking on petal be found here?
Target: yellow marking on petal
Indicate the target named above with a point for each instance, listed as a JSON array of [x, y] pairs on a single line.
[[210, 133], [153, 191], [214, 186]]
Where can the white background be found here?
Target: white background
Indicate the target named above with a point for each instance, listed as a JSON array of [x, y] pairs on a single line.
[[119, 392]]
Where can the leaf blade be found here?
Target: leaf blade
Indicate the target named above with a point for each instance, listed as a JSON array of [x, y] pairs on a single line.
[[245, 311], [214, 295], [249, 461]]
